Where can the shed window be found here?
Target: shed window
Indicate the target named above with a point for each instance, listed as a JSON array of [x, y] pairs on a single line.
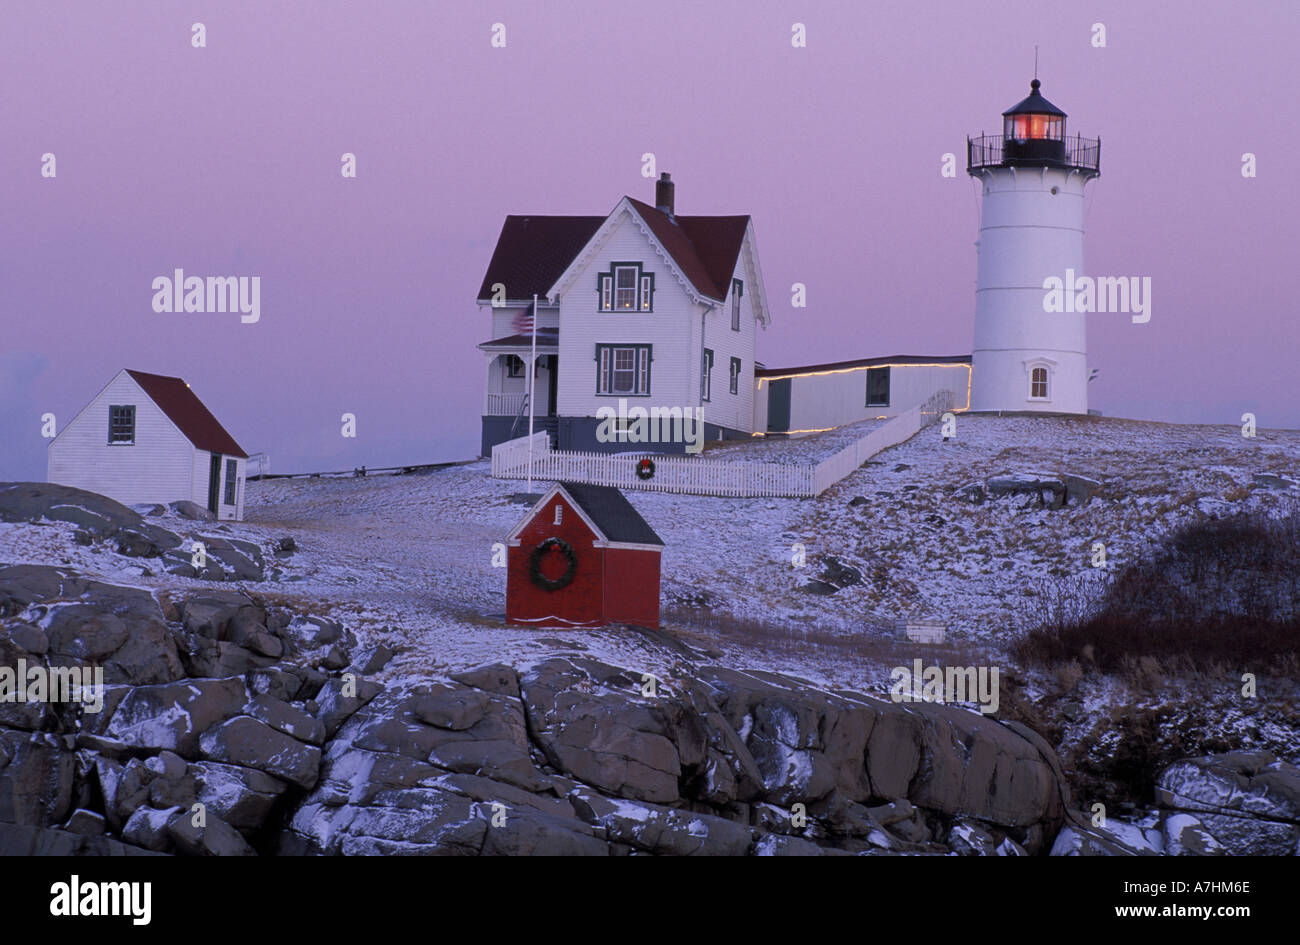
[[121, 424], [878, 387], [559, 514], [231, 469]]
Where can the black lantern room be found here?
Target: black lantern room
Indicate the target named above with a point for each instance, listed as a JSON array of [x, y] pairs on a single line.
[[1033, 135], [1034, 131]]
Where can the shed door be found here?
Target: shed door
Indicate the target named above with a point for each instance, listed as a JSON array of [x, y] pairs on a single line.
[[214, 483], [778, 405]]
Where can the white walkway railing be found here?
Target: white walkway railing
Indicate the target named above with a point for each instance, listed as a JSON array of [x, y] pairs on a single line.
[[693, 475]]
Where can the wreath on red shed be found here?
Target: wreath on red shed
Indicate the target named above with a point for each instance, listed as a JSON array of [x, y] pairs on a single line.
[[535, 564]]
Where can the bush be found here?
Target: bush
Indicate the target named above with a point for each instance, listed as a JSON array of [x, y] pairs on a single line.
[[1222, 591]]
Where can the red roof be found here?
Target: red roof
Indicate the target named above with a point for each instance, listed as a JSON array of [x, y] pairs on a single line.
[[174, 397], [532, 252], [704, 248]]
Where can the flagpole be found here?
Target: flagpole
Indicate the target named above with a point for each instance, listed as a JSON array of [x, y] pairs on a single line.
[[532, 387]]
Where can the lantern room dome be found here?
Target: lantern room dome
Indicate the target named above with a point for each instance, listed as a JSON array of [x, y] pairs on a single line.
[[1034, 104]]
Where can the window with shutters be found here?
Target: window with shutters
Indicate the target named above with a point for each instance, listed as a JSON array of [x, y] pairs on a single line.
[[737, 290], [626, 288], [878, 387], [623, 370], [121, 424], [735, 375], [706, 375]]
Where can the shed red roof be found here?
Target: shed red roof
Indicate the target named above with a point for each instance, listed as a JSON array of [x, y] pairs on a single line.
[[532, 252], [174, 397]]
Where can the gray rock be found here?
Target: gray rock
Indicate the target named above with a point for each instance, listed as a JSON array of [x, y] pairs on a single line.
[[451, 707], [334, 708], [192, 511], [249, 742], [36, 779], [32, 639], [1272, 481], [1080, 489], [242, 797], [371, 660], [173, 716], [1247, 801], [21, 840], [85, 823], [288, 719], [214, 838], [148, 828]]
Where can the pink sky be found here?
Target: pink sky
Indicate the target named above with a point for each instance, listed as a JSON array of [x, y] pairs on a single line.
[[225, 161]]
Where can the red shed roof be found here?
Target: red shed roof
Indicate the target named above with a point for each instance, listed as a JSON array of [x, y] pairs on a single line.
[[174, 397]]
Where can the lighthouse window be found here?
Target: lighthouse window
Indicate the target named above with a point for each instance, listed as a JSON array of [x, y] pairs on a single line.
[[1038, 383]]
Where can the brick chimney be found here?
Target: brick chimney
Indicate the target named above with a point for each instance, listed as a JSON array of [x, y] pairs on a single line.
[[664, 193]]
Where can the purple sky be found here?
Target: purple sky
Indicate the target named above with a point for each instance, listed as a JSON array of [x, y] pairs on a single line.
[[225, 161]]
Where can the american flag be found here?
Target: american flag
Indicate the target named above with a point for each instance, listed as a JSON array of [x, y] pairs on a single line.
[[523, 323]]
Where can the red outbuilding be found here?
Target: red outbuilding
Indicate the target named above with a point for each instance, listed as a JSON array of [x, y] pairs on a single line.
[[583, 557]]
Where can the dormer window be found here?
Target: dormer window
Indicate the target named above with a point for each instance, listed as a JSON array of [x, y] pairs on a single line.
[[626, 288], [737, 290]]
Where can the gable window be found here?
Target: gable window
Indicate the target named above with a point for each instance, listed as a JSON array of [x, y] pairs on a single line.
[[121, 424], [559, 514], [231, 468], [735, 375], [706, 375], [737, 290], [1038, 384], [623, 370], [514, 366], [878, 387], [626, 288]]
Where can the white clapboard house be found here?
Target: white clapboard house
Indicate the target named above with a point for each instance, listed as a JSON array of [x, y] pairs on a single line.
[[649, 308], [641, 305], [148, 438]]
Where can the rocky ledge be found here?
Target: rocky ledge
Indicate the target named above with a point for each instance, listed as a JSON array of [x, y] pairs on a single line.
[[231, 726]]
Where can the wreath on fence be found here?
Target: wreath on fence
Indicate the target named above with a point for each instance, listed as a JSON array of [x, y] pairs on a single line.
[[646, 468], [535, 564]]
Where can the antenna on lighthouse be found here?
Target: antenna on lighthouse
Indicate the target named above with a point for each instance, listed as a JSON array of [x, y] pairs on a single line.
[[1035, 60]]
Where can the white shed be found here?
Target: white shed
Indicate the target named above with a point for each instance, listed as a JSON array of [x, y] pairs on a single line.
[[148, 438]]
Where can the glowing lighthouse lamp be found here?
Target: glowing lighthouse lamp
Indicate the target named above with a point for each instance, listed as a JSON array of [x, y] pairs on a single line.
[[1031, 227]]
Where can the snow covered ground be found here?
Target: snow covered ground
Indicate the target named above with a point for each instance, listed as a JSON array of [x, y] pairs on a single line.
[[407, 560]]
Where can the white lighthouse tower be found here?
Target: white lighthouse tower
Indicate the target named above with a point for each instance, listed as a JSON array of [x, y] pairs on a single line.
[[1031, 228]]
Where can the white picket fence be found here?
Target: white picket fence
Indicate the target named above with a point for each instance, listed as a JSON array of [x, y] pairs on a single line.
[[902, 427], [695, 476]]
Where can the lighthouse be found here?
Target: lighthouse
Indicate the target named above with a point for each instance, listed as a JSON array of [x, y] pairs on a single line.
[[1032, 178]]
